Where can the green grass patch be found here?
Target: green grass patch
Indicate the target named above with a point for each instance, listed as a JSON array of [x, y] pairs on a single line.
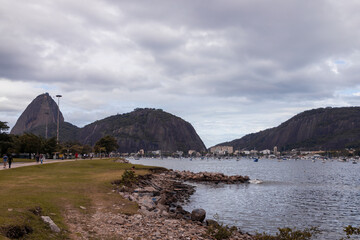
[[52, 189]]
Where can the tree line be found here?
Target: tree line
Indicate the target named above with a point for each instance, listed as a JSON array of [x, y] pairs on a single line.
[[31, 143]]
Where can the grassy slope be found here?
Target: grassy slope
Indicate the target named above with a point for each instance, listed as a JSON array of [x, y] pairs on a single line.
[[56, 188]]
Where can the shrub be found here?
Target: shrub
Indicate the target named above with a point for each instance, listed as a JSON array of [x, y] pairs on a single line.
[[350, 230], [128, 177], [289, 234], [218, 231]]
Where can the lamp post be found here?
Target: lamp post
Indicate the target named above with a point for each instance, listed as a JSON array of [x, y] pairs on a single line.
[[58, 118], [46, 126]]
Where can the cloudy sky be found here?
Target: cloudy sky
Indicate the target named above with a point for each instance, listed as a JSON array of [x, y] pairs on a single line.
[[228, 67]]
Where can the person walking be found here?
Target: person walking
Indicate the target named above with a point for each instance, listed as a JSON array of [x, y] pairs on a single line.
[[37, 157], [42, 158], [5, 158], [10, 159]]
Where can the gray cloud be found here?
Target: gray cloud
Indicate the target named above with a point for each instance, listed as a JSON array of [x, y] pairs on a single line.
[[221, 65]]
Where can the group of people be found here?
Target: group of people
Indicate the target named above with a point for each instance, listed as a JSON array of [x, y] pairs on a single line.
[[40, 158], [7, 160]]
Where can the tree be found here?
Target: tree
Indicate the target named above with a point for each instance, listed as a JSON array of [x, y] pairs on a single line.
[[108, 143], [86, 149], [49, 145], [5, 139], [29, 143], [3, 127]]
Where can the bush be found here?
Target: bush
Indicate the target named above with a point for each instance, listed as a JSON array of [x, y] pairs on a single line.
[[289, 234], [350, 230], [128, 177], [218, 231]]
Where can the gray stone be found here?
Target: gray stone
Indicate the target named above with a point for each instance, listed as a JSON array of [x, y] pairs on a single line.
[[147, 202], [210, 222], [198, 214], [53, 226]]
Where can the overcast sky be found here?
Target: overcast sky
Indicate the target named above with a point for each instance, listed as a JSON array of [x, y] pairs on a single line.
[[228, 67]]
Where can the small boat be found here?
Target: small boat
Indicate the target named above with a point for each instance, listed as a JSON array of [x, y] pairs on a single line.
[[256, 159], [354, 162]]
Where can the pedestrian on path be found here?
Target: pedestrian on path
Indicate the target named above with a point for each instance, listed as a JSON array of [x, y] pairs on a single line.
[[42, 158], [10, 159], [5, 158]]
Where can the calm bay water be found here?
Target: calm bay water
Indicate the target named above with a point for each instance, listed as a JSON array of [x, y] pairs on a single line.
[[293, 193]]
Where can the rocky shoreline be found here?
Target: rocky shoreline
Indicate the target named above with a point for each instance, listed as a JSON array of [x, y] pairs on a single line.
[[160, 196]]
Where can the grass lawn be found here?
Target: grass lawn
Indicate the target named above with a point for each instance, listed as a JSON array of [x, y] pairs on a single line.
[[56, 188], [23, 160]]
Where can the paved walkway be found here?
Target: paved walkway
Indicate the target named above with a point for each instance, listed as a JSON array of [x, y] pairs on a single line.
[[24, 164]]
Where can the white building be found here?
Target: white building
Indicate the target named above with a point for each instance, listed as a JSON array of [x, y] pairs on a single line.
[[265, 152], [222, 150]]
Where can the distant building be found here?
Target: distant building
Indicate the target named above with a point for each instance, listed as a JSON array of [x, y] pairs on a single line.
[[222, 150], [275, 151], [178, 153], [252, 152], [157, 152], [246, 152], [265, 152], [191, 152]]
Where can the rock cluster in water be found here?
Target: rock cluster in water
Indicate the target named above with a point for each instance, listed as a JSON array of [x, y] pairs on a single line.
[[209, 177]]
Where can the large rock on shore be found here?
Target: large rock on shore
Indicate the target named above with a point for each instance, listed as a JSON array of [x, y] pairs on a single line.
[[198, 214]]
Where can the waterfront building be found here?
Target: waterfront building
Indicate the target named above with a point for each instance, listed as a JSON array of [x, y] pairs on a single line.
[[276, 151], [222, 150]]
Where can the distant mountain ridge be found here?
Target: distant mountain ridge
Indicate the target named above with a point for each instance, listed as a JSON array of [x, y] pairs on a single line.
[[323, 128], [148, 129], [145, 129]]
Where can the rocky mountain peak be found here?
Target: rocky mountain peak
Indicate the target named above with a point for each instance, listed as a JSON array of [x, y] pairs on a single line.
[[144, 128], [42, 111]]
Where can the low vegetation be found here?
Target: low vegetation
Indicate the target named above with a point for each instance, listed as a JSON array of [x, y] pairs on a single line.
[[128, 177], [289, 234], [219, 231], [350, 231], [54, 189]]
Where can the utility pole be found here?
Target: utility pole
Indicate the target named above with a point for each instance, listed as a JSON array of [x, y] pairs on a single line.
[[58, 118]]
